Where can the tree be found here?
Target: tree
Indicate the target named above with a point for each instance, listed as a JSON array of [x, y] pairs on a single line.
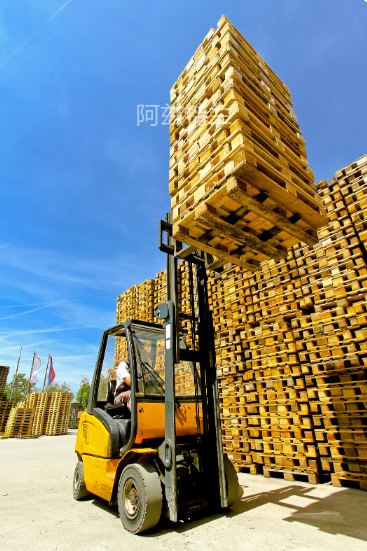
[[20, 387], [103, 387], [55, 387], [83, 393]]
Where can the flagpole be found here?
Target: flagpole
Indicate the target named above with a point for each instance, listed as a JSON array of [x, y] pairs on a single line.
[[30, 376], [16, 373], [44, 381]]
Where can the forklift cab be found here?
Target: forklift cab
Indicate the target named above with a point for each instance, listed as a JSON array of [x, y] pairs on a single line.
[[145, 423], [144, 344]]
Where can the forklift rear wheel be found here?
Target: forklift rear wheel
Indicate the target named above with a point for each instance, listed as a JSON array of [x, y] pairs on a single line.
[[231, 480], [79, 489], [139, 497]]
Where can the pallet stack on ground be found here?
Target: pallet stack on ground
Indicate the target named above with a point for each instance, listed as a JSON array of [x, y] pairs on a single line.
[[231, 304], [33, 399], [5, 405], [58, 413], [5, 408], [240, 182], [279, 436], [127, 304], [4, 371], [353, 187], [145, 304], [331, 342], [20, 422], [138, 303], [42, 406]]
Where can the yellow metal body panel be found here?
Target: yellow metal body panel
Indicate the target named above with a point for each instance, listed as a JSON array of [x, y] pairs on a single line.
[[93, 438], [151, 420], [99, 475]]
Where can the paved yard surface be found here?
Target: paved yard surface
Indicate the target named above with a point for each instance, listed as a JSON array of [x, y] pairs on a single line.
[[37, 511]]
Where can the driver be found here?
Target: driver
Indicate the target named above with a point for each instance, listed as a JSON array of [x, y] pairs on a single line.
[[123, 384]]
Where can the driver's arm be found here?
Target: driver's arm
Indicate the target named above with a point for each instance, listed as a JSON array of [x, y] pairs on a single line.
[[127, 380]]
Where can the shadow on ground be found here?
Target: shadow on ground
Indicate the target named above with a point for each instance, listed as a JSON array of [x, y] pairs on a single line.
[[344, 512]]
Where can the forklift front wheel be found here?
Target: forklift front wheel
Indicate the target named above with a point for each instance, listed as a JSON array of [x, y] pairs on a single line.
[[231, 480], [139, 497], [79, 489]]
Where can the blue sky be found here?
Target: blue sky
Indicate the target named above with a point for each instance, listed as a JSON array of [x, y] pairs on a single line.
[[82, 186]]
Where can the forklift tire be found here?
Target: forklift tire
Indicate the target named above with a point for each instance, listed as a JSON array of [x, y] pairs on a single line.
[[139, 497], [231, 480], [79, 489]]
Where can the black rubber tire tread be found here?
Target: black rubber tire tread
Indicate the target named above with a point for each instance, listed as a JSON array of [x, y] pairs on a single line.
[[150, 495], [232, 481], [79, 489]]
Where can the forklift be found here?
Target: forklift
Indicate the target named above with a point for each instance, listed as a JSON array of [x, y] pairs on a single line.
[[164, 458]]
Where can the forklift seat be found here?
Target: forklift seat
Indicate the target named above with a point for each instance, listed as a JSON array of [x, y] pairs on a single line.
[[124, 426]]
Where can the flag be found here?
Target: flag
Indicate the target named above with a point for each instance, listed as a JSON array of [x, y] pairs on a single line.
[[50, 374], [35, 368]]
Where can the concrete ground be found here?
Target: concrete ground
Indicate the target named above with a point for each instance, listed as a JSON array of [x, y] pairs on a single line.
[[37, 511]]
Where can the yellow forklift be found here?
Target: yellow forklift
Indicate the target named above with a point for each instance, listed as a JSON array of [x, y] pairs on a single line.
[[164, 458]]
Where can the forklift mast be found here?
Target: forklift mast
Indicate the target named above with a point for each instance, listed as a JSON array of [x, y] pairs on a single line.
[[202, 353]]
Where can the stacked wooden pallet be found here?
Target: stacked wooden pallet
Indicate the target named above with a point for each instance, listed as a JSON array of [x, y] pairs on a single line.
[[353, 186], [3, 378], [145, 303], [279, 436], [59, 413], [138, 303], [231, 304], [240, 182], [331, 341], [19, 424], [5, 408], [127, 304], [33, 399], [42, 406]]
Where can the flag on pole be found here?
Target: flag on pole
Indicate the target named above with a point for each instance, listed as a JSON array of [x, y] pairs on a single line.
[[50, 373], [35, 368]]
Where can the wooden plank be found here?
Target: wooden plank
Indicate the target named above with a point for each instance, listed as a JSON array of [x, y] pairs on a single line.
[[237, 191], [312, 215], [182, 234], [207, 215]]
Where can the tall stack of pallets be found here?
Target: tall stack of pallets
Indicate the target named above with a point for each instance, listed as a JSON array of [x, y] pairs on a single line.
[[291, 348], [240, 183], [42, 401], [307, 316], [58, 413], [331, 342], [146, 295], [4, 371], [138, 303], [5, 405], [5, 408]]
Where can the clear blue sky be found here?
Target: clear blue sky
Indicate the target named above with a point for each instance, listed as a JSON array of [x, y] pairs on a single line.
[[82, 186]]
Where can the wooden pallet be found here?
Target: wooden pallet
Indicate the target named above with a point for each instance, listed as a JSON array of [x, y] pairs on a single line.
[[306, 476], [249, 132], [347, 480], [4, 371], [5, 408]]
